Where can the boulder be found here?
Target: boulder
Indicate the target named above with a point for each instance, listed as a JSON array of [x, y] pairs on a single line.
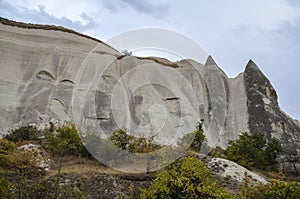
[[231, 174]]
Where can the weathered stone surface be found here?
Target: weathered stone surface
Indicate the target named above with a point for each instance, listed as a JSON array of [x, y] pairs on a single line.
[[39, 69], [265, 116], [230, 174]]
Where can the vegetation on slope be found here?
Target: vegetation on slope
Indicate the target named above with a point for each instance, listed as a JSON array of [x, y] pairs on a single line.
[[123, 140], [252, 150], [274, 189], [66, 141], [185, 178], [188, 177]]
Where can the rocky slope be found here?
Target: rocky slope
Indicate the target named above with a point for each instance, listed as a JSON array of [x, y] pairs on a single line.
[[40, 66]]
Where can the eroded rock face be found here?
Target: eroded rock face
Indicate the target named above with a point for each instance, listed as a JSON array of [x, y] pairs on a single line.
[[265, 116], [39, 69]]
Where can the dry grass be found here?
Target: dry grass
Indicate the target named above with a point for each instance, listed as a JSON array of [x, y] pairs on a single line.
[[276, 175], [78, 165]]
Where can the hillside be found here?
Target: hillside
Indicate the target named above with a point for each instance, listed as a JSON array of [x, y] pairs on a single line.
[[51, 75], [40, 65], [53, 163]]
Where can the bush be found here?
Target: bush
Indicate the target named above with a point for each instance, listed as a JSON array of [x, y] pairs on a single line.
[[185, 178], [253, 151], [275, 189], [24, 161], [66, 141], [133, 144], [6, 147], [22, 133]]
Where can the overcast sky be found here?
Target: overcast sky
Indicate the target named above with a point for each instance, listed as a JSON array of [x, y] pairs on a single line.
[[232, 31]]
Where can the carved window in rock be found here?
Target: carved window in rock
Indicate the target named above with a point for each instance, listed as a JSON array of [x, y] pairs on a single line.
[[49, 92]]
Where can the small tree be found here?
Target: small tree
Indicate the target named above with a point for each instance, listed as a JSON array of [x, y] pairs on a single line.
[[197, 136], [272, 151], [252, 150]]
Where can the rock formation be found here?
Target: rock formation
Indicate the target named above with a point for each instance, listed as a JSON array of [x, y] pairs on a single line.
[[39, 66], [230, 173]]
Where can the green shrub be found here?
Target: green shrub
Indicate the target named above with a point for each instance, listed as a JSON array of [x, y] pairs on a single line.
[[66, 141], [186, 178], [252, 150], [133, 144], [22, 133], [274, 189]]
